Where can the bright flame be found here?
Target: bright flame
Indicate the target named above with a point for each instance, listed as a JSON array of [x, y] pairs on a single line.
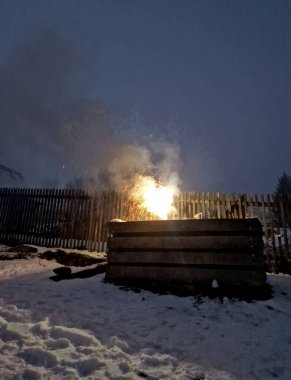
[[154, 197]]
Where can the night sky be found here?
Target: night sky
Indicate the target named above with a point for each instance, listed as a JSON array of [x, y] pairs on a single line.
[[77, 78]]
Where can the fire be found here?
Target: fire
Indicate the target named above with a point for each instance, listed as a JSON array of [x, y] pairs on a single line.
[[154, 197]]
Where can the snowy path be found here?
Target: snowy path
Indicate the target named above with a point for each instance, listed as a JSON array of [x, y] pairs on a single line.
[[84, 328]]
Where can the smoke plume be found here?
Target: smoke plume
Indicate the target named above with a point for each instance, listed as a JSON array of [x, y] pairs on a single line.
[[55, 135], [51, 131], [160, 160]]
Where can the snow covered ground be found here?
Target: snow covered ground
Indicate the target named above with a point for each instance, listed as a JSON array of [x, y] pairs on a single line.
[[88, 329]]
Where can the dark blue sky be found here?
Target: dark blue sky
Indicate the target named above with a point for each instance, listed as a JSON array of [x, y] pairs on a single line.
[[214, 77]]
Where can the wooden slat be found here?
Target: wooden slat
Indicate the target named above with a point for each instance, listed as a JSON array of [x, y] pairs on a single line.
[[9, 214], [195, 225], [240, 210], [223, 207], [229, 206], [68, 221], [55, 217], [251, 205], [6, 213], [234, 206], [270, 215], [192, 206], [107, 200], [58, 218], [213, 208], [63, 213], [91, 222], [203, 205], [33, 212], [199, 205], [94, 221], [185, 258], [264, 215], [13, 214], [85, 220], [177, 276], [185, 243], [218, 203], [50, 220], [208, 205], [25, 223], [101, 224], [78, 214], [99, 220], [257, 206], [245, 206]]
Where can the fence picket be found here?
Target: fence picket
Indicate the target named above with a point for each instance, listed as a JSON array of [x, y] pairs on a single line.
[[240, 212], [251, 205], [234, 206], [223, 206], [198, 206], [257, 207], [264, 215], [245, 206], [277, 223], [270, 215]]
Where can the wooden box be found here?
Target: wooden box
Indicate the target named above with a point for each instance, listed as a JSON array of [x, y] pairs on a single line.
[[187, 253]]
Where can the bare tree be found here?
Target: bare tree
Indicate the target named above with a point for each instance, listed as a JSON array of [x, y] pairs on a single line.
[[12, 173]]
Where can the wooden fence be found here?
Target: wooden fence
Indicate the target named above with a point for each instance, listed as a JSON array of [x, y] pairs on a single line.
[[76, 219]]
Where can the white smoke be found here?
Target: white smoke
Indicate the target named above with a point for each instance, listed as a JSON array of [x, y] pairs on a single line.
[[160, 160]]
